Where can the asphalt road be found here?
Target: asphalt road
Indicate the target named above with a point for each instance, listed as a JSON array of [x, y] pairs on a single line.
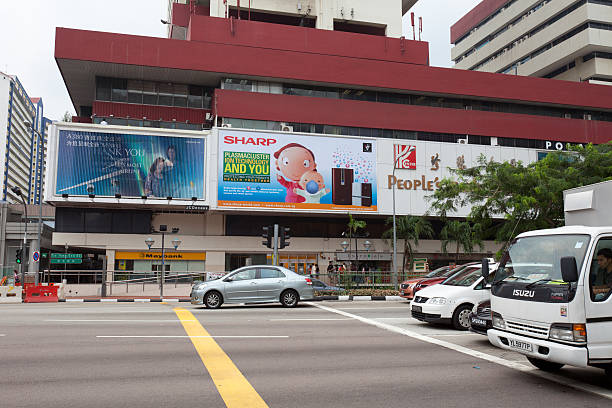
[[328, 354]]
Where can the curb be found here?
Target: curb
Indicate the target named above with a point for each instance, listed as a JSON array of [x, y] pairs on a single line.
[[316, 299]]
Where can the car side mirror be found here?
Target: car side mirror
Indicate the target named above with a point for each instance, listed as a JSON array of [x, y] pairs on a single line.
[[569, 270], [485, 268]]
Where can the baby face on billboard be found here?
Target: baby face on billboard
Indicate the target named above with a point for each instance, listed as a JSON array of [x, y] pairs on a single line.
[[294, 160], [312, 181]]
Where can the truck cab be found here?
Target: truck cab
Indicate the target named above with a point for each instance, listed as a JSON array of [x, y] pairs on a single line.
[[551, 298]]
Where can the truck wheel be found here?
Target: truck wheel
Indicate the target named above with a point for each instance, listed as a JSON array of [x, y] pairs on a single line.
[[461, 317], [545, 365]]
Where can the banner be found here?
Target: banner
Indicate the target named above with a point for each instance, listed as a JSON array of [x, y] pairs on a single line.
[[133, 165], [287, 171]]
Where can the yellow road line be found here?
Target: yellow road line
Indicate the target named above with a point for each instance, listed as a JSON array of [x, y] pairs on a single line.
[[233, 387]]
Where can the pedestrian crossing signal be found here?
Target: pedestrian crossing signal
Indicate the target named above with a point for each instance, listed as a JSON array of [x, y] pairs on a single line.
[[19, 255]]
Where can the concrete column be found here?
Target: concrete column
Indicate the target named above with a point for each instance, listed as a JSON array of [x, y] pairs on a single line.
[[215, 261], [32, 246], [110, 265]]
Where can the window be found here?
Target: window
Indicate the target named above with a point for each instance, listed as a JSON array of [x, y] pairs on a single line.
[[265, 273], [119, 92], [246, 274], [600, 278]]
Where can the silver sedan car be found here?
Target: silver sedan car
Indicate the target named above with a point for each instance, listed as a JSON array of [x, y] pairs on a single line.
[[254, 284]]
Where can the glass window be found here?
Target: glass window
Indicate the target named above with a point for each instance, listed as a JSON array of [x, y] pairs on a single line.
[[600, 278], [180, 95], [149, 93], [267, 273], [119, 93], [466, 277], [246, 274], [134, 91], [103, 89], [165, 92], [195, 97]]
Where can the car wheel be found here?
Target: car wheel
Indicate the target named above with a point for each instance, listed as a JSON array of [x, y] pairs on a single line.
[[213, 300], [461, 317], [545, 365], [289, 298]]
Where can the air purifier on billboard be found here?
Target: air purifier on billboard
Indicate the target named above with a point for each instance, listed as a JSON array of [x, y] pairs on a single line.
[[342, 186], [362, 194]]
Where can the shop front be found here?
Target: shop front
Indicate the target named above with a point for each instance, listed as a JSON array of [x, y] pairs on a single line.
[[142, 264]]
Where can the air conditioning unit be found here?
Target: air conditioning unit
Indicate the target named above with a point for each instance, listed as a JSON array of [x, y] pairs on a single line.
[[227, 125], [285, 128], [209, 116], [587, 116], [462, 141]]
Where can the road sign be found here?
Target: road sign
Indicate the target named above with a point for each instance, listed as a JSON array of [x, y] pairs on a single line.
[[36, 256], [65, 261], [56, 255]]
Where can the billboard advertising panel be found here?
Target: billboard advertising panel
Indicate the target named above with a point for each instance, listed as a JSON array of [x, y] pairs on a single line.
[[133, 165], [289, 171]]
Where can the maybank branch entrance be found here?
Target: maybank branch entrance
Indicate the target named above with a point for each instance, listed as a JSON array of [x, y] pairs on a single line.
[[146, 262]]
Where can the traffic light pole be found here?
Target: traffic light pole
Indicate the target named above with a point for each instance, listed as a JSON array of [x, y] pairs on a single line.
[[23, 250], [275, 255]]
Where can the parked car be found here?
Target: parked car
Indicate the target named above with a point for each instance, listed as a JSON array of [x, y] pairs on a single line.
[[407, 286], [451, 301], [480, 318], [426, 282], [320, 286], [254, 284]]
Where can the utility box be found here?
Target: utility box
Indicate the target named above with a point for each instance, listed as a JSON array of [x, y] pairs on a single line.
[[589, 205]]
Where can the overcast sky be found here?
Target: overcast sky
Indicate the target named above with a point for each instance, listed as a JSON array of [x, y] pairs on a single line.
[[28, 35]]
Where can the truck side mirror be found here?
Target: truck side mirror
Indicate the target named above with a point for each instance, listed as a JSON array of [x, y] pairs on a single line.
[[569, 270], [485, 268]]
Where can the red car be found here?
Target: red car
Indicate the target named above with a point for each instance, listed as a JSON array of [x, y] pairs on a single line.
[[407, 286], [423, 282]]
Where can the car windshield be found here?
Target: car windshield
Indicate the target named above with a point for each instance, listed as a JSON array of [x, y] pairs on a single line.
[[466, 277], [532, 259], [437, 272]]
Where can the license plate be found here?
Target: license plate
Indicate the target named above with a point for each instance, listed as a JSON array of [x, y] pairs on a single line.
[[417, 309], [520, 345], [479, 322]]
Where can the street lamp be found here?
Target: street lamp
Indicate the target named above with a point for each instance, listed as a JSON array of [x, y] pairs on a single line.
[[163, 230], [344, 245], [367, 245], [394, 228], [40, 184], [17, 191]]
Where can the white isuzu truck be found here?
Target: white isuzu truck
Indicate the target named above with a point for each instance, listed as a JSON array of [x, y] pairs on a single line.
[[551, 297]]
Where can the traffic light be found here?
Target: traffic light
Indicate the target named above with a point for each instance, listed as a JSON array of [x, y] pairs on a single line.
[[284, 237], [268, 236], [18, 255]]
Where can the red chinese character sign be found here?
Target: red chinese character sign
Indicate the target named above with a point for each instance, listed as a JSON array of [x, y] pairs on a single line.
[[404, 156]]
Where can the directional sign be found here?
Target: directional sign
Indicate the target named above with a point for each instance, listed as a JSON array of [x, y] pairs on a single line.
[[65, 261], [36, 256], [57, 255]]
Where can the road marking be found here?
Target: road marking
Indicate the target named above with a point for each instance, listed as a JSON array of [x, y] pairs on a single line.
[[193, 337], [2, 335], [406, 308], [233, 387], [306, 319], [461, 349], [112, 321]]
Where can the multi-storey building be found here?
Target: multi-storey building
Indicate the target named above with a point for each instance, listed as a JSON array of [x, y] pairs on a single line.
[[242, 87], [23, 124], [561, 39]]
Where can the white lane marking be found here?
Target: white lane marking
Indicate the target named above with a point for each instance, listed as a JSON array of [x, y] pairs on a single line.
[[306, 319], [478, 354], [192, 337], [407, 308], [115, 320], [2, 335]]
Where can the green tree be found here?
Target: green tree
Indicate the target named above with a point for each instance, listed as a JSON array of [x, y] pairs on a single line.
[[410, 229], [463, 235], [529, 196]]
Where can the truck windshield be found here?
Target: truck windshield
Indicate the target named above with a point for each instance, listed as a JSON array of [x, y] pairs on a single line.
[[537, 259]]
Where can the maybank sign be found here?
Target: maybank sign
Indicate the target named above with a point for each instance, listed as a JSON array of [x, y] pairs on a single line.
[[157, 256]]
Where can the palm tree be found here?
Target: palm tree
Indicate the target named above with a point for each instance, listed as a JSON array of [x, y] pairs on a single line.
[[463, 235], [353, 226], [409, 228]]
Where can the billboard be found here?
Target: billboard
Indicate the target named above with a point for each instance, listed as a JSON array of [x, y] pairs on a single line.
[[133, 165], [289, 171]]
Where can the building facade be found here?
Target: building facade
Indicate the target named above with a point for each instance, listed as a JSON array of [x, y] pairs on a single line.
[[562, 39], [23, 125], [242, 93]]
